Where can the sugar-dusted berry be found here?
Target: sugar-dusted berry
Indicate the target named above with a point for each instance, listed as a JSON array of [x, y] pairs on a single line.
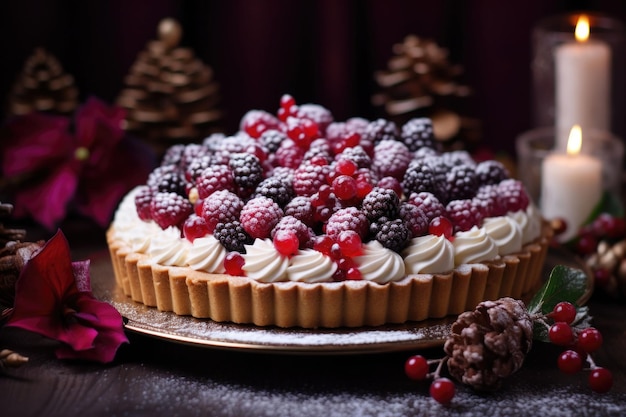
[[259, 216]]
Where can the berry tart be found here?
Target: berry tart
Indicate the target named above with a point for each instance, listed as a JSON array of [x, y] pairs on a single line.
[[298, 220]]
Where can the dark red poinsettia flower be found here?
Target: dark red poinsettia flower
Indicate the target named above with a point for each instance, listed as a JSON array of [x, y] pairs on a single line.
[[53, 298]]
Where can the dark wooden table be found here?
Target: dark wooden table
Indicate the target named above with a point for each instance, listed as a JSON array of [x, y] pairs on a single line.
[[155, 377]]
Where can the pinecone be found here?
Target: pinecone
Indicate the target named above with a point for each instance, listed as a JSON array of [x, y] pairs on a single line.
[[43, 86], [170, 95], [420, 82], [489, 343]]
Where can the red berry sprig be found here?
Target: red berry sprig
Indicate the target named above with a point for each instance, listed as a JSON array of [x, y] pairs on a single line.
[[441, 388]]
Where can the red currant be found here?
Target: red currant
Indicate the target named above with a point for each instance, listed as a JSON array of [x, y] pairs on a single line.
[[351, 140], [600, 380], [344, 187], [323, 244], [287, 101], [560, 333], [442, 390], [286, 242], [195, 227], [233, 263], [354, 274], [350, 243], [416, 367], [590, 339], [564, 311], [441, 226], [586, 244], [346, 167], [570, 362], [602, 276]]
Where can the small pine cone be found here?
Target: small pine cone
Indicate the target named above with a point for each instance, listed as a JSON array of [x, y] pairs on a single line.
[[489, 343]]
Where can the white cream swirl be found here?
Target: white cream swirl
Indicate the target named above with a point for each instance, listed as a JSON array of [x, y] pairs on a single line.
[[428, 254], [264, 263], [206, 254], [529, 221], [128, 227], [379, 264], [167, 247], [309, 265], [473, 246], [505, 232]]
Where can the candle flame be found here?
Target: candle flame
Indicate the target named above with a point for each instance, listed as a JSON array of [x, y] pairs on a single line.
[[575, 140], [582, 29]]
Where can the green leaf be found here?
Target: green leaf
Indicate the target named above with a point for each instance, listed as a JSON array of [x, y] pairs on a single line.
[[564, 284]]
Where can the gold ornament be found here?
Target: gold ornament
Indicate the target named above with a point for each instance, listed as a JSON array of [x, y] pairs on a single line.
[[611, 258], [10, 359]]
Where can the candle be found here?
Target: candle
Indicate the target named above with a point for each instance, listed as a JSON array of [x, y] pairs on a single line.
[[583, 84], [571, 185]]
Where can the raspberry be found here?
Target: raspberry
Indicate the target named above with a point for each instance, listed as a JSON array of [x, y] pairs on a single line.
[[428, 203], [415, 219], [319, 147], [167, 179], [197, 165], [391, 158], [512, 195], [247, 171], [418, 133], [491, 172], [170, 209], [349, 218], [300, 208], [232, 236], [214, 178], [290, 224], [316, 113], [173, 155], [391, 183], [420, 177], [289, 154], [143, 199], [308, 178], [336, 131], [279, 190], [191, 152], [213, 141], [221, 207], [380, 202], [464, 214], [238, 143], [380, 130], [357, 155], [255, 122], [271, 139], [489, 197], [393, 234], [461, 182], [259, 216]]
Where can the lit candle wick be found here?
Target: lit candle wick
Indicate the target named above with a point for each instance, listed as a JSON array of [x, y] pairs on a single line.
[[582, 29]]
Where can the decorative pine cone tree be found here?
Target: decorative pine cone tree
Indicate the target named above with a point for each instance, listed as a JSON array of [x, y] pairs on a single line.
[[420, 82], [170, 95], [42, 86], [489, 343]]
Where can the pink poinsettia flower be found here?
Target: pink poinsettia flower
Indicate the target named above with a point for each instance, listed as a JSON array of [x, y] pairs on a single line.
[[53, 298]]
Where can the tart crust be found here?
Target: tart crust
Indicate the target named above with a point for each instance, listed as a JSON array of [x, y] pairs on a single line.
[[221, 297]]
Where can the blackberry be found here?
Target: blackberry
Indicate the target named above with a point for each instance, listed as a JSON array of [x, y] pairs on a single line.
[[233, 236], [418, 133], [380, 202], [454, 158], [465, 214], [421, 176], [415, 219], [247, 171], [357, 155], [379, 130], [391, 159], [284, 174], [167, 179], [393, 235], [271, 139], [212, 142], [170, 209], [349, 218], [428, 204], [143, 198], [278, 190], [173, 155], [461, 182], [303, 232], [308, 178], [300, 207], [422, 153], [221, 206], [199, 164], [491, 172], [259, 216], [214, 178]]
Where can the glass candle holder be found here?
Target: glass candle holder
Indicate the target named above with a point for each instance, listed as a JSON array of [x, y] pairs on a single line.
[[578, 81]]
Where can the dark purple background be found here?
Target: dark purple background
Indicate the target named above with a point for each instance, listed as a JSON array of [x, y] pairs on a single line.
[[323, 51]]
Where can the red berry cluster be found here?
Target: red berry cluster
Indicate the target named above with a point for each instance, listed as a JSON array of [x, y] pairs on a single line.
[[604, 227], [441, 389], [580, 344], [341, 248]]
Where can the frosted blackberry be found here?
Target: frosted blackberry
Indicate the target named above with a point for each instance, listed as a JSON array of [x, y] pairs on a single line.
[[271, 139], [455, 158], [300, 207], [167, 179], [349, 218], [233, 236], [284, 174], [221, 206], [461, 182], [213, 141], [173, 155], [278, 190], [393, 234], [421, 176], [214, 178], [379, 130], [391, 159], [290, 224], [464, 214], [143, 198], [380, 202], [415, 219], [170, 209], [308, 178], [357, 155], [491, 172], [259, 216], [428, 204], [196, 166], [418, 133], [247, 171]]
